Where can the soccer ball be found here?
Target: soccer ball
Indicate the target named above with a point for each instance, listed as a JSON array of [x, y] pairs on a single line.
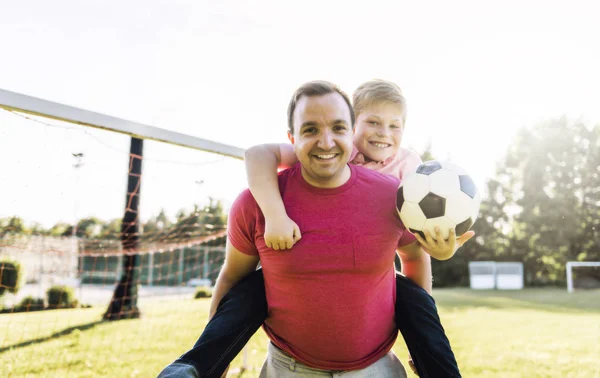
[[438, 193]]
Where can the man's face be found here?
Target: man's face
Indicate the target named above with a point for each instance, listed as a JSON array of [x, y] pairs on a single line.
[[322, 139]]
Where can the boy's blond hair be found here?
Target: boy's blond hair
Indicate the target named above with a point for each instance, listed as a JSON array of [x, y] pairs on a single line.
[[378, 91]]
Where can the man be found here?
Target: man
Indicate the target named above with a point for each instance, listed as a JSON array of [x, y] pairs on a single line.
[[331, 297]]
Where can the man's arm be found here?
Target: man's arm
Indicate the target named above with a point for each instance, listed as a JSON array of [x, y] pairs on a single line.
[[237, 265], [262, 162], [416, 264]]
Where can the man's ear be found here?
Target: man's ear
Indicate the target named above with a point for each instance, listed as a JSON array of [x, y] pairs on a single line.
[[291, 138]]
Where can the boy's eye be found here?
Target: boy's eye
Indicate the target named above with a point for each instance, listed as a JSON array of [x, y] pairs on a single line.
[[309, 130], [340, 128], [374, 123]]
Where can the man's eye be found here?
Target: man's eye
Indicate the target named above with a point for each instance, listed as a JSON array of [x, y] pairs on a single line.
[[374, 123], [395, 127], [341, 128], [309, 130]]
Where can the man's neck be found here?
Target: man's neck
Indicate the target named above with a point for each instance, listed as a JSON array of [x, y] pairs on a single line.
[[331, 182]]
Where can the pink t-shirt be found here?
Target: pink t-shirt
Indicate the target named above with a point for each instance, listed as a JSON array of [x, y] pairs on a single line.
[[399, 165], [331, 297]]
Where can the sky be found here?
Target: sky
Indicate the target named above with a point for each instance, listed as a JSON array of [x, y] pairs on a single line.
[[473, 73]]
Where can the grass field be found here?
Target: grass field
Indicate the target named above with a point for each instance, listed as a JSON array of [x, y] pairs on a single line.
[[529, 333]]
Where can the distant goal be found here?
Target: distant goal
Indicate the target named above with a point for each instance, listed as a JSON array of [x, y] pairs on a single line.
[[583, 275]]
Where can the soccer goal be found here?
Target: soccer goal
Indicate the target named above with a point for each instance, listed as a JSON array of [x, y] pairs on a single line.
[[103, 221], [486, 275], [583, 274], [482, 275]]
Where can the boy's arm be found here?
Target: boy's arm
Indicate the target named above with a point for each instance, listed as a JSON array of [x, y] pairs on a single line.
[[262, 162], [416, 264]]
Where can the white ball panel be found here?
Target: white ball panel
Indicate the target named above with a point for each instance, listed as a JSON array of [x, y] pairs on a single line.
[[416, 187], [412, 216], [444, 182], [459, 206]]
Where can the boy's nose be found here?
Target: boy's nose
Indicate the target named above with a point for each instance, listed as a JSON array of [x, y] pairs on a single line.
[[383, 131]]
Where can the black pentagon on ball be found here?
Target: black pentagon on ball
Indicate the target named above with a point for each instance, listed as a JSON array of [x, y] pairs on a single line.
[[463, 227], [429, 167], [412, 230], [467, 185], [433, 206], [400, 198]]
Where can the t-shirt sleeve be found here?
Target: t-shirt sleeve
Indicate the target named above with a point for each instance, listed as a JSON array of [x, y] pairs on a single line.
[[241, 223], [406, 238]]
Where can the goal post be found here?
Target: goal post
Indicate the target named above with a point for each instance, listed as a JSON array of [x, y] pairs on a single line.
[[574, 264], [49, 109], [165, 246], [138, 132]]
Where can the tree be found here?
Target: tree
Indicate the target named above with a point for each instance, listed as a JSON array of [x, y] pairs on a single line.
[[427, 154], [59, 229], [38, 229], [89, 227], [552, 172], [541, 208], [13, 225], [111, 230]]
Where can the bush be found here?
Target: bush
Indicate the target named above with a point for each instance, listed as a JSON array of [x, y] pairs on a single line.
[[61, 297], [11, 276], [203, 292], [30, 303]]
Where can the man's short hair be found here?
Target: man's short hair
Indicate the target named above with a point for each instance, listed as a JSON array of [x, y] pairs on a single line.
[[316, 88], [378, 91]]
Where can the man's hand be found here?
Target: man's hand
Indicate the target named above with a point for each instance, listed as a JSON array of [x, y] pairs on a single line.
[[440, 248], [281, 232]]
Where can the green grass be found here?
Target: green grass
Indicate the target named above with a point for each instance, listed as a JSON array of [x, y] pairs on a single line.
[[529, 333]]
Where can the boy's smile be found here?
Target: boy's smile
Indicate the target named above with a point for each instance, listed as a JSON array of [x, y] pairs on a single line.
[[379, 129]]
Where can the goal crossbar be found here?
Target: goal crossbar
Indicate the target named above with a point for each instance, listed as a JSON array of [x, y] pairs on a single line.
[[569, 268], [39, 107]]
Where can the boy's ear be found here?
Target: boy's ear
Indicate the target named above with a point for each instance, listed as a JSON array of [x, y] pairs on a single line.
[[291, 137]]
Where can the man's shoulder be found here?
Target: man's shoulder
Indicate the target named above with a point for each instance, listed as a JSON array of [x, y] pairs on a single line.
[[285, 175], [244, 201]]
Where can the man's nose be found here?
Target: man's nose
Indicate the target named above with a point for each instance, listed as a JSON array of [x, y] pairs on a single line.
[[326, 141]]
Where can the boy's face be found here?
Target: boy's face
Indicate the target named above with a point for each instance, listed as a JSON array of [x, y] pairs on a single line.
[[378, 131]]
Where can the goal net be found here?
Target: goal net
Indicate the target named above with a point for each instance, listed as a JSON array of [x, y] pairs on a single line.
[[93, 230]]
